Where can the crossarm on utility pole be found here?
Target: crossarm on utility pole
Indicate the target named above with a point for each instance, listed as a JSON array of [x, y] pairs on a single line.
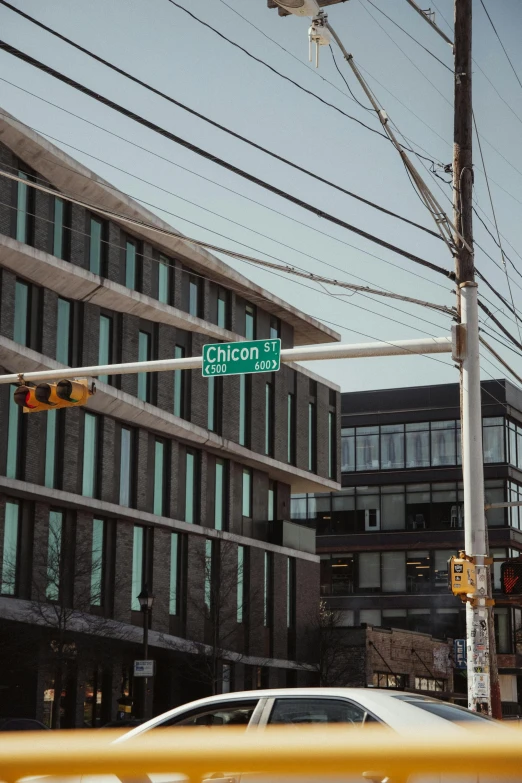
[[427, 345]]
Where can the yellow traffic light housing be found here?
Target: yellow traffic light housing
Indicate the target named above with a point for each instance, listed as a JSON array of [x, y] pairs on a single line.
[[461, 576], [51, 396]]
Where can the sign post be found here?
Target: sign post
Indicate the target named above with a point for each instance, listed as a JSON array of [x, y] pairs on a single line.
[[241, 358]]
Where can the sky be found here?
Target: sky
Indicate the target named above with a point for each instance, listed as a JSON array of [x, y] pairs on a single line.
[[158, 42]]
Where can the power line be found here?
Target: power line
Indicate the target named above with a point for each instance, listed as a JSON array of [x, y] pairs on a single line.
[[366, 108], [499, 324], [200, 176], [219, 161], [215, 124], [500, 42]]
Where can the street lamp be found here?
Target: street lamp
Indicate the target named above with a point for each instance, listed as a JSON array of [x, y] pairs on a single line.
[[146, 600], [300, 7]]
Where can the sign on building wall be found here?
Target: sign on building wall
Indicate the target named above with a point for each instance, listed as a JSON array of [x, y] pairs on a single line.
[[459, 652]]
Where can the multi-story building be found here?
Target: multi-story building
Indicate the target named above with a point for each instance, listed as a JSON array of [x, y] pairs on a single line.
[[167, 481], [385, 539]]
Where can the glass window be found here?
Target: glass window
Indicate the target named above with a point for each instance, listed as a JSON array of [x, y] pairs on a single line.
[[368, 512], [59, 209], [311, 436], [275, 328], [250, 326], [369, 570], [332, 445], [10, 549], [54, 556], [370, 616], [50, 449], [22, 208], [498, 555], [130, 264], [393, 510], [267, 589], [179, 353], [440, 567], [63, 331], [316, 710], [343, 575], [518, 463], [194, 296], [21, 312], [211, 404], [367, 448], [392, 446], [450, 712], [269, 423], [220, 494], [247, 493], [225, 715], [495, 494], [125, 466], [512, 443], [290, 429], [15, 412], [190, 487], [208, 574], [493, 440], [90, 432], [347, 449], [97, 562], [164, 280], [104, 344], [501, 619], [393, 572], [244, 410], [159, 478], [298, 507], [174, 554], [418, 571], [222, 308], [443, 443], [137, 566], [95, 249], [418, 445], [290, 592], [240, 582], [271, 501], [144, 355]]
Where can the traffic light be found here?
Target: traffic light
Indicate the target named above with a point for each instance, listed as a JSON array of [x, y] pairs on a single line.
[[461, 576], [51, 396], [511, 577]]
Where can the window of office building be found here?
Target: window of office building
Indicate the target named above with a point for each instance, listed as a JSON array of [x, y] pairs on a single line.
[[370, 571], [174, 573], [347, 449], [21, 313], [393, 508], [13, 430], [240, 583], [268, 574], [392, 446], [332, 445], [63, 331], [275, 328], [104, 344], [493, 439], [50, 449], [290, 592], [138, 554], [130, 264], [311, 436], [290, 428], [54, 556], [213, 404], [159, 478], [222, 308], [367, 448], [443, 443], [144, 355], [164, 276], [23, 210], [96, 247], [502, 635], [393, 572], [97, 562], [370, 617], [59, 227], [392, 681], [245, 388], [90, 447], [247, 493], [418, 571], [494, 492], [269, 419], [220, 495], [126, 466], [209, 575], [10, 549], [190, 487], [250, 322], [194, 295], [179, 383], [271, 500]]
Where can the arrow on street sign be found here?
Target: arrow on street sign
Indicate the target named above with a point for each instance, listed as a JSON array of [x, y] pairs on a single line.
[[242, 357]]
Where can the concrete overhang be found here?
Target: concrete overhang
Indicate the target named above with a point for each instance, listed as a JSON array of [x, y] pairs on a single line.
[[75, 180], [112, 402]]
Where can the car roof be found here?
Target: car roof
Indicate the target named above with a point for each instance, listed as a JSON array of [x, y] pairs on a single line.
[[395, 708]]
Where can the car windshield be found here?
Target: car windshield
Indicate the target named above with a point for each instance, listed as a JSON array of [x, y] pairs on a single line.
[[449, 712]]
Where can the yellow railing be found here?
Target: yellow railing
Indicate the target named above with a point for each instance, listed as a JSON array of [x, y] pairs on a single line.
[[200, 752]]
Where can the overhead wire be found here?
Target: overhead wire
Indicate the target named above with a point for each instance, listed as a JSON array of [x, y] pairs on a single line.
[[219, 161], [500, 42]]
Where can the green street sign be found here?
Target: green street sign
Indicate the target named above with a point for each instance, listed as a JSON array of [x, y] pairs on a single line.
[[240, 358]]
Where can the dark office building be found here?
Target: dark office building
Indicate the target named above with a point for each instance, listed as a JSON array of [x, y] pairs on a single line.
[[385, 539], [166, 484]]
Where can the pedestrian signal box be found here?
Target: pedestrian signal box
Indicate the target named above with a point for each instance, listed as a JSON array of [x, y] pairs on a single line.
[[50, 396], [511, 577], [461, 576]]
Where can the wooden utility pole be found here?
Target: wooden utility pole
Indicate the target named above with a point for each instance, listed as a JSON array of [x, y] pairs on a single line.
[[483, 685]]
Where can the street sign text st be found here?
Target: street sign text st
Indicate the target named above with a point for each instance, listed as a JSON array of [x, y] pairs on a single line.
[[242, 357]]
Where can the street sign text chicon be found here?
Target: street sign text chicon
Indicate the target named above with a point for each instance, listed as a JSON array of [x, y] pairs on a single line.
[[239, 358]]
